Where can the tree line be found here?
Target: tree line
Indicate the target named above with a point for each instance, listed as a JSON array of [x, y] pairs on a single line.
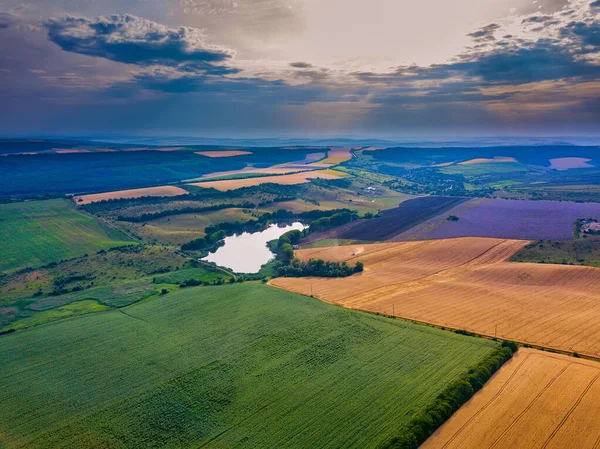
[[451, 399]]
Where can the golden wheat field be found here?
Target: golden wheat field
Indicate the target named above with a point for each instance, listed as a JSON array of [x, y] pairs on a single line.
[[337, 155], [536, 400], [295, 178], [133, 193], [224, 153], [466, 283]]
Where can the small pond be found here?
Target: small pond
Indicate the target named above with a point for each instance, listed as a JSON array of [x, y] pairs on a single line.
[[247, 252]]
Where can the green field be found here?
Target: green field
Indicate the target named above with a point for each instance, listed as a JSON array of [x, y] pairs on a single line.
[[584, 251], [106, 279], [35, 233], [242, 365], [183, 228]]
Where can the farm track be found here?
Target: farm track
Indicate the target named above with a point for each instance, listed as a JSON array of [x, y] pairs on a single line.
[[466, 283], [536, 400]]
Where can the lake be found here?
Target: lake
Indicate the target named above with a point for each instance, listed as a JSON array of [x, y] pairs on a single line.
[[247, 252]]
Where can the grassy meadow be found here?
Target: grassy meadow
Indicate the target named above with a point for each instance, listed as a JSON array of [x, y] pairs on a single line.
[[229, 366], [100, 281], [35, 233]]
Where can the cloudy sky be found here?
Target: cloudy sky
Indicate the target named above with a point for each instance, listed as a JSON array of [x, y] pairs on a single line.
[[232, 68]]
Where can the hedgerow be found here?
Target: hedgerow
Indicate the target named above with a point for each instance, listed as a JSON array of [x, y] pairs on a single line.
[[451, 399]]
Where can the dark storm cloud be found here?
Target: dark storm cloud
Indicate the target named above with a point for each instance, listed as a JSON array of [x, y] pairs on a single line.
[[485, 33], [586, 33], [512, 61], [305, 65], [132, 40]]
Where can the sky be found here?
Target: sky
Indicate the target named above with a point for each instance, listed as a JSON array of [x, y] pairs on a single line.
[[243, 68]]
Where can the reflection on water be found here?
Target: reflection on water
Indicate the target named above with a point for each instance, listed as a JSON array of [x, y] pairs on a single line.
[[246, 253]]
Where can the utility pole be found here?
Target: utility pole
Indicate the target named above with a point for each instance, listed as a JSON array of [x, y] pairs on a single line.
[[311, 294], [495, 331], [393, 309]]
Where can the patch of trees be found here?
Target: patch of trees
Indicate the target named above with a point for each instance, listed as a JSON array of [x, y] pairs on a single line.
[[336, 219], [451, 399], [214, 233], [206, 242], [340, 183], [318, 267]]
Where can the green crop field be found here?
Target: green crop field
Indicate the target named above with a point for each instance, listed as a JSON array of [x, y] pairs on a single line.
[[230, 366], [35, 233]]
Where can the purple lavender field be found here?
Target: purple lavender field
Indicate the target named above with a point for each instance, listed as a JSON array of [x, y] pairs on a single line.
[[528, 220]]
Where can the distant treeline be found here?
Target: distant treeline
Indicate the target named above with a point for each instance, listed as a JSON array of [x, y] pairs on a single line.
[[451, 399], [185, 210]]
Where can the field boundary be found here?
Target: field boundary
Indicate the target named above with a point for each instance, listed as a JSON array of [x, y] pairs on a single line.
[[523, 343]]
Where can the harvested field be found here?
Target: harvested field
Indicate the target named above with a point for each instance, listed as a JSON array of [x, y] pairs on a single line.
[[511, 219], [133, 193], [337, 155], [537, 399], [566, 163], [249, 172], [394, 221], [296, 178], [225, 153], [466, 283], [495, 159]]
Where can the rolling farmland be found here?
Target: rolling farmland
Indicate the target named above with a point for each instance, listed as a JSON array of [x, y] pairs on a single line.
[[511, 219], [35, 233], [222, 367], [466, 283], [536, 400]]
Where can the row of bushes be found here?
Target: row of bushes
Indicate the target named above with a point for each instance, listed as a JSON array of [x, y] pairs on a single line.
[[318, 267], [451, 399]]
